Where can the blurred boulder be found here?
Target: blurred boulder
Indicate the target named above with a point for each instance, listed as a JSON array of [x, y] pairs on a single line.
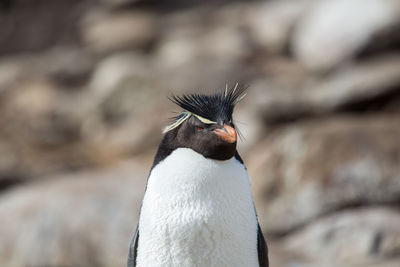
[[70, 66], [27, 107], [334, 31], [364, 237], [67, 65], [111, 70], [40, 128], [371, 85], [10, 71], [125, 97], [119, 3], [196, 55], [10, 172], [84, 219], [27, 120], [131, 116], [308, 169], [103, 31], [188, 44], [271, 23], [38, 26]]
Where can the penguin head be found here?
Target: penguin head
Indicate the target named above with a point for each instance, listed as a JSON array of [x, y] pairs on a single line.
[[205, 124]]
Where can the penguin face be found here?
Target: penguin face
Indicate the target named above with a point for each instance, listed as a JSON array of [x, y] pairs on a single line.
[[204, 125], [215, 141]]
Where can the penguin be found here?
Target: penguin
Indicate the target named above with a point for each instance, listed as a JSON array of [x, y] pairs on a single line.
[[198, 209]]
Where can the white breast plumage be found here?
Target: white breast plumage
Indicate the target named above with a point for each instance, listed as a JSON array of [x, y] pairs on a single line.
[[197, 212]]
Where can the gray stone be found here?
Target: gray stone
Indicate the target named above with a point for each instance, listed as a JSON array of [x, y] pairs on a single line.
[[125, 101], [64, 64], [40, 126], [10, 71], [271, 23], [111, 70], [358, 84], [308, 169], [334, 31], [196, 55], [118, 3], [106, 32], [84, 219], [363, 237]]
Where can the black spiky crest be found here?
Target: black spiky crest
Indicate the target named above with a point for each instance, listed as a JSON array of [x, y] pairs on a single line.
[[217, 107]]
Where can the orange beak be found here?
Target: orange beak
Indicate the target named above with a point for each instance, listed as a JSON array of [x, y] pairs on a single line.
[[228, 134]]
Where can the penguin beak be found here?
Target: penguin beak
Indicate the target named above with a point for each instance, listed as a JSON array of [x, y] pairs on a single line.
[[227, 133]]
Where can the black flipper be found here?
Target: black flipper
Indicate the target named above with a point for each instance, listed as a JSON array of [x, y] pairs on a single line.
[[262, 249], [133, 248]]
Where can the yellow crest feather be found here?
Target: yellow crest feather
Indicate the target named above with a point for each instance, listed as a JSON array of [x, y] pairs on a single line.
[[204, 120], [185, 115]]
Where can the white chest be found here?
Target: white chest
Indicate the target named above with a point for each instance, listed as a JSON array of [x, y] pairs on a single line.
[[197, 212]]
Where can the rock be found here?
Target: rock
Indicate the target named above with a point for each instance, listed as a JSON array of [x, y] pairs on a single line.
[[37, 27], [125, 97], [107, 32], [383, 42], [371, 81], [134, 115], [308, 169], [40, 130], [111, 70], [271, 23], [370, 85], [363, 237], [197, 55], [335, 31], [187, 46], [28, 106], [86, 219], [67, 65], [10, 173], [119, 3], [10, 71]]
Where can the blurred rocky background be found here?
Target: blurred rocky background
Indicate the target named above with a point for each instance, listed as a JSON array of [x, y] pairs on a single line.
[[83, 96]]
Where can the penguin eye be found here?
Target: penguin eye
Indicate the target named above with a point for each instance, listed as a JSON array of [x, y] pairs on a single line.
[[199, 128]]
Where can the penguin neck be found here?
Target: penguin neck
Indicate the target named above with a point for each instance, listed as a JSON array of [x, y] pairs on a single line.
[[166, 147]]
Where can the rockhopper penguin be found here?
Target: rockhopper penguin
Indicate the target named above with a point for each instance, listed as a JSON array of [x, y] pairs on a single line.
[[198, 209]]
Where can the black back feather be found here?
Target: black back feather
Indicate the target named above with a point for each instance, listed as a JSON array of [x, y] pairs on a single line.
[[217, 107]]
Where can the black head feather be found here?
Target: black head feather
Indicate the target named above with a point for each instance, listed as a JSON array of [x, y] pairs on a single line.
[[213, 113], [217, 107]]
